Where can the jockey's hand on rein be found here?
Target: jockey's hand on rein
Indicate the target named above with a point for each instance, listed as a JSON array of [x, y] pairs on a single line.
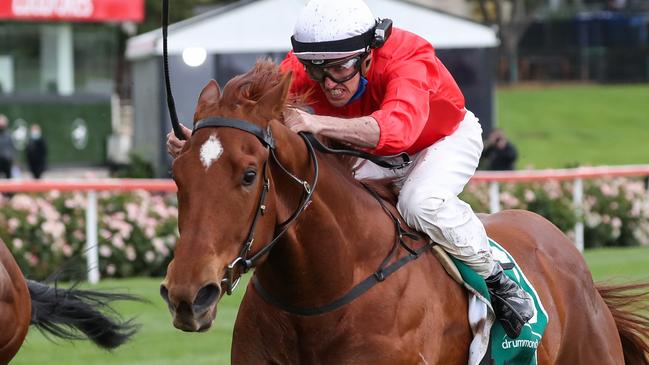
[[175, 145], [299, 120]]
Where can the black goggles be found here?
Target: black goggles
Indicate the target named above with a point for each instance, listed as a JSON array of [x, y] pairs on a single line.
[[338, 71]]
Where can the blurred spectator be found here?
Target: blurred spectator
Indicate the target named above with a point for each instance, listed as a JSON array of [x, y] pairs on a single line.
[[36, 151], [7, 150], [499, 153], [616, 4]]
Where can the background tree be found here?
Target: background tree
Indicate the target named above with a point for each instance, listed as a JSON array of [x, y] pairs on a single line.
[[512, 18], [178, 10]]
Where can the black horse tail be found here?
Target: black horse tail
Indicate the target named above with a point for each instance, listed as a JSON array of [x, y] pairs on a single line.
[[74, 314]]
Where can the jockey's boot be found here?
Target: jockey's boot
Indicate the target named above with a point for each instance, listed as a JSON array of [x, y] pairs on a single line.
[[512, 305]]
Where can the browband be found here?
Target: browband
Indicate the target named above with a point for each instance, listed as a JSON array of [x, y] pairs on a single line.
[[264, 136]]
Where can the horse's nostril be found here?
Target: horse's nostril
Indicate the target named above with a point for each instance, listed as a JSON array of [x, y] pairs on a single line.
[[206, 297], [164, 293]]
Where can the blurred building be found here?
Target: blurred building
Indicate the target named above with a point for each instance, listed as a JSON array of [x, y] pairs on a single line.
[[225, 42], [456, 7], [58, 65]]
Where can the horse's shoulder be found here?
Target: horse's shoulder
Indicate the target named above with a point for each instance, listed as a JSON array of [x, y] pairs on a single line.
[[384, 188]]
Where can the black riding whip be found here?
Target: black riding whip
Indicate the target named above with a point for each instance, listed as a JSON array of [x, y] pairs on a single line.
[[171, 105]]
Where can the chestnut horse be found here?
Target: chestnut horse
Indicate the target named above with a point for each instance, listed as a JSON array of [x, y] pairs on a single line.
[[244, 180], [69, 314]]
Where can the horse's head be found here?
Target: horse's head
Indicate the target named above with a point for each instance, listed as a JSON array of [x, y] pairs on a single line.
[[224, 200]]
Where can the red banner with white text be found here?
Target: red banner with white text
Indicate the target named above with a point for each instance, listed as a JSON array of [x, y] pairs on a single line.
[[73, 10]]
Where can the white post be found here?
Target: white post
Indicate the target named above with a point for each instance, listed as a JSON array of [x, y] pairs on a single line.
[[494, 197], [57, 58], [92, 251], [578, 201]]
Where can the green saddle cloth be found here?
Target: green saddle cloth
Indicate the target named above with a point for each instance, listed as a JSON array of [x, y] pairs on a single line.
[[505, 350]]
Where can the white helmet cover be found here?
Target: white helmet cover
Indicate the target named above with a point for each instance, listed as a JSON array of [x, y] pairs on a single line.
[[330, 29]]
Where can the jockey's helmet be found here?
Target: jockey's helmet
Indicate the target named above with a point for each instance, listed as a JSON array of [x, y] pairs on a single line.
[[333, 29]]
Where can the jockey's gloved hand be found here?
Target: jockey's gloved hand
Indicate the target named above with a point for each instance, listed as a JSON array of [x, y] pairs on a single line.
[[512, 305]]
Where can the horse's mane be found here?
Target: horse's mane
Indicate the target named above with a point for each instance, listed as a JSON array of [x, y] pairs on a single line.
[[265, 75]]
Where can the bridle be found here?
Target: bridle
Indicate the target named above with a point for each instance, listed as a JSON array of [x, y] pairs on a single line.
[[230, 279]]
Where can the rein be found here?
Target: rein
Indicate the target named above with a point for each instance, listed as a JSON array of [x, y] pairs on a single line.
[[171, 104]]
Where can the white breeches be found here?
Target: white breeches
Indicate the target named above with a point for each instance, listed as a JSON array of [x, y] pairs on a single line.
[[428, 194]]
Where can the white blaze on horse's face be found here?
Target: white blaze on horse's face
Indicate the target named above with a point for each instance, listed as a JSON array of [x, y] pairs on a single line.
[[211, 150]]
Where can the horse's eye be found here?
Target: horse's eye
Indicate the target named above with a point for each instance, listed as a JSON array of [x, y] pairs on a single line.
[[249, 177]]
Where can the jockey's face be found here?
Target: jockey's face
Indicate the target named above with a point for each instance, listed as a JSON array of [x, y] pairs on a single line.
[[338, 78], [339, 94]]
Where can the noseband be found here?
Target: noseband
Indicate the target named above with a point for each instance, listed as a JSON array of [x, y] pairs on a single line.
[[230, 280]]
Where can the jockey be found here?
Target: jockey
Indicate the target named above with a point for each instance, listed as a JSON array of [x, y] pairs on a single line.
[[384, 90]]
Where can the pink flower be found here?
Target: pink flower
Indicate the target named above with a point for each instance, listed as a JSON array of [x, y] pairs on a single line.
[[32, 260], [130, 253], [149, 256], [22, 202], [105, 251], [17, 243], [529, 196], [13, 224], [32, 220], [160, 247], [67, 250], [105, 234], [118, 241], [79, 235], [607, 190], [149, 232], [132, 211], [110, 269]]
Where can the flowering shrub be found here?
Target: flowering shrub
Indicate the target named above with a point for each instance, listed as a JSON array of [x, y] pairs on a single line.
[[136, 230], [615, 211]]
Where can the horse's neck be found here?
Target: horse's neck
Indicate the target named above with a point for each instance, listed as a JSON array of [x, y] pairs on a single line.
[[341, 236]]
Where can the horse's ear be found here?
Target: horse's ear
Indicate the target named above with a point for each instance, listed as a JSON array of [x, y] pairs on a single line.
[[211, 93], [274, 100]]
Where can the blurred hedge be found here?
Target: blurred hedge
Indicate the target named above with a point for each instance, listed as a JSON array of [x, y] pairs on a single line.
[[616, 211], [46, 232]]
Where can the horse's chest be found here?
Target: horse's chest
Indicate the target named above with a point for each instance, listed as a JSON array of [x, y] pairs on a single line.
[[364, 338]]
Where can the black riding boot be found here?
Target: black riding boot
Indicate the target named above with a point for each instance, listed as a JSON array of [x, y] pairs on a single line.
[[512, 305]]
